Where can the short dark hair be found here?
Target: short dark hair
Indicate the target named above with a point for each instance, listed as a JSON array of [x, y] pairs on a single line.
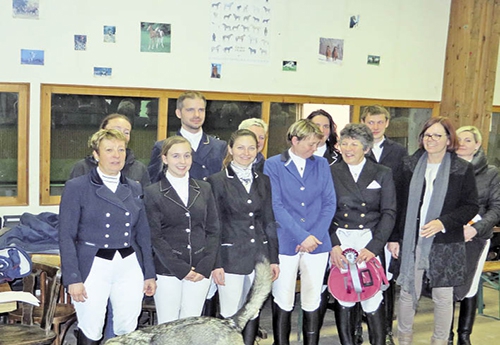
[[190, 95], [448, 127], [110, 117]]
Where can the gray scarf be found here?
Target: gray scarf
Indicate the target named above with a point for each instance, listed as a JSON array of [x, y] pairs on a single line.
[[407, 272]]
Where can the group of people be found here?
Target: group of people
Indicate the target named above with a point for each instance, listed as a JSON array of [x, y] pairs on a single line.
[[197, 219]]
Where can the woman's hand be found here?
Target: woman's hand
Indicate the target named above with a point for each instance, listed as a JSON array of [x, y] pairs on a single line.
[[218, 276], [275, 270], [194, 276], [469, 232], [337, 258], [309, 244], [431, 228], [364, 255], [149, 287], [393, 247], [77, 292]]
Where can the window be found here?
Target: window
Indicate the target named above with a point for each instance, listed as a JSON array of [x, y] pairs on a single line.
[[71, 114], [14, 144], [494, 139]]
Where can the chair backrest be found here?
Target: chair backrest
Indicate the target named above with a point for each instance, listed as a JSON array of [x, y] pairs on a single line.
[[49, 281]]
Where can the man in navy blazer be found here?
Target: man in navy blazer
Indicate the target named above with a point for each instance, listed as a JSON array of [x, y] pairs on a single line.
[[208, 151], [389, 153]]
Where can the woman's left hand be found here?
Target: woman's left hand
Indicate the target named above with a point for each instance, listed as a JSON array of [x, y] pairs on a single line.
[[275, 270], [431, 228], [469, 232], [149, 287], [364, 255]]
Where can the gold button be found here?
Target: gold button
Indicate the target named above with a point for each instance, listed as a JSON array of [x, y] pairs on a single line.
[[346, 226], [362, 215], [361, 226], [363, 204], [345, 215]]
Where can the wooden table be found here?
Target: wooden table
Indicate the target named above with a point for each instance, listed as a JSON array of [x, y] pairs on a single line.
[[7, 306]]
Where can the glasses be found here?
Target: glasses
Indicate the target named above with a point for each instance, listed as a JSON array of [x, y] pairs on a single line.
[[434, 137]]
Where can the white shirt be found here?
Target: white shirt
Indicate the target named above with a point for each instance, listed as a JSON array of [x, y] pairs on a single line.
[[320, 151], [181, 186], [194, 139], [109, 181], [430, 176], [377, 149], [356, 169], [299, 162]]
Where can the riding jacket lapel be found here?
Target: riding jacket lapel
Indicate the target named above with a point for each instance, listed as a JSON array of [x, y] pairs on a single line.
[[170, 193]]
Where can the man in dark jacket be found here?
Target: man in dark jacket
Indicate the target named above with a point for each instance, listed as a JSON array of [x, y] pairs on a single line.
[[389, 153]]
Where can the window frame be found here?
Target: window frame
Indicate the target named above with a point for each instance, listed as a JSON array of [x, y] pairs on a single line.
[[23, 90], [164, 95]]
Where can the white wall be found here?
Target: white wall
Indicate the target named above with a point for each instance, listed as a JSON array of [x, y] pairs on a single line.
[[410, 36]]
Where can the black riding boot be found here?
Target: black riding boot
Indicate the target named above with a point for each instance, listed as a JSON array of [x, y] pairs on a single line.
[[358, 324], [250, 331], [389, 301], [376, 326], [211, 305], [450, 337], [468, 308], [281, 325], [83, 340], [311, 326], [345, 325], [323, 306]]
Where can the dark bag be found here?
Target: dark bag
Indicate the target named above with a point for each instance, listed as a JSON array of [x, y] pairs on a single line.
[[14, 263]]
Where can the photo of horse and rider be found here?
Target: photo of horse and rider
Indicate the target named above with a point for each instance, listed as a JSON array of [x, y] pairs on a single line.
[[155, 37]]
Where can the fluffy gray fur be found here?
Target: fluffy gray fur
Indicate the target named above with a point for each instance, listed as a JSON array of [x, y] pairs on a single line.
[[206, 330]]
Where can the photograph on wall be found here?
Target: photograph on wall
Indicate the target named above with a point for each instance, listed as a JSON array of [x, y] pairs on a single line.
[[240, 31], [373, 60], [80, 42], [290, 66], [32, 57], [155, 37], [215, 71], [331, 50], [109, 32], [25, 8], [354, 21], [102, 71]]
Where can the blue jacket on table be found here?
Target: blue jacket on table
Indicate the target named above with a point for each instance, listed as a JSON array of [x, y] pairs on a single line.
[[183, 236], [92, 217], [248, 227], [207, 159], [302, 206]]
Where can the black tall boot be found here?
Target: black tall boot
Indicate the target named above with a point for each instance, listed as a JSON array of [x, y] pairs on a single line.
[[323, 306], [311, 326], [468, 308], [358, 324], [210, 308], [281, 325], [83, 340], [376, 326], [345, 325], [388, 302], [451, 336], [250, 331]]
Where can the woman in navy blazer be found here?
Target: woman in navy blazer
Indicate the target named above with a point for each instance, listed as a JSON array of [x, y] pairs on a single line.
[[365, 216], [185, 234], [105, 242], [304, 204], [243, 198]]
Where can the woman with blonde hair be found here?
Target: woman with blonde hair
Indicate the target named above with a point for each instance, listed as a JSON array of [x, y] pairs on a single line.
[[479, 230]]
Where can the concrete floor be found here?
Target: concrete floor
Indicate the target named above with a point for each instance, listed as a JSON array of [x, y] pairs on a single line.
[[486, 329]]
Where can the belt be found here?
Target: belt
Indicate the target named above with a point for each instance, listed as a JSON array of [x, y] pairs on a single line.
[[108, 254]]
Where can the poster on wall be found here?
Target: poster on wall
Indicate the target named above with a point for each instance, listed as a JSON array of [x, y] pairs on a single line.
[[155, 37], [32, 57], [240, 31], [216, 70], [80, 42], [103, 72], [331, 50], [25, 9], [109, 32]]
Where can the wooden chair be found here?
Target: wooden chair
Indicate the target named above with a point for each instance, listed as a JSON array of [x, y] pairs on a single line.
[[28, 332], [64, 315]]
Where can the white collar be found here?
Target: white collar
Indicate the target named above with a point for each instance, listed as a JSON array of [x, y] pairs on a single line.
[[193, 138]]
